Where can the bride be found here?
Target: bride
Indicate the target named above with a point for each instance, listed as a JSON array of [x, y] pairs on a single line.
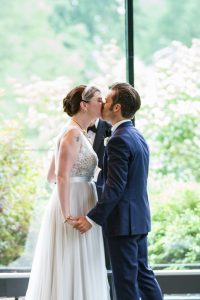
[[68, 265]]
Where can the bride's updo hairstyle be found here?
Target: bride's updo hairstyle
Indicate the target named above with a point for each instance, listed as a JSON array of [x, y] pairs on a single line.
[[71, 103]]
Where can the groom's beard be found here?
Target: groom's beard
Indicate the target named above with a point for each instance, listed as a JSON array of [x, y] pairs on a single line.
[[107, 115]]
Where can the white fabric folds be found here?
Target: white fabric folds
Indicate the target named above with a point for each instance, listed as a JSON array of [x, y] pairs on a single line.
[[69, 265]]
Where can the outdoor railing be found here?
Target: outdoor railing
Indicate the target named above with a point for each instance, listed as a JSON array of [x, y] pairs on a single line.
[[13, 283]]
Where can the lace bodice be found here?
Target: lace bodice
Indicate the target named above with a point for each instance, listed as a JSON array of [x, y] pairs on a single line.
[[86, 161]]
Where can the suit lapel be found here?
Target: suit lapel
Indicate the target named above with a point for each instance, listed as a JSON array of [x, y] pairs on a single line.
[[99, 136], [105, 161]]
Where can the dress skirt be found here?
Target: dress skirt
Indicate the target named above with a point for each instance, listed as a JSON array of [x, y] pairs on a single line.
[[69, 265]]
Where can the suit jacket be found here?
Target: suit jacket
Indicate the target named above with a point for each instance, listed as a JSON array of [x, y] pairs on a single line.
[[103, 130], [123, 208]]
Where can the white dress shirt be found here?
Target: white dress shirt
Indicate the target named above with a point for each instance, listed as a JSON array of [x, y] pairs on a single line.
[[91, 135]]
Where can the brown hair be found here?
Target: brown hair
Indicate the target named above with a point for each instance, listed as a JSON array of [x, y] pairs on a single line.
[[71, 102], [127, 97]]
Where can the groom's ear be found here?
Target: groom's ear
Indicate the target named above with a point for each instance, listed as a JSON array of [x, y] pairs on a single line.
[[117, 107]]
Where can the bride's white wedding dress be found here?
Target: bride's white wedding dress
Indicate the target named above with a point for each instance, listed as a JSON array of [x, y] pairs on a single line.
[[69, 265]]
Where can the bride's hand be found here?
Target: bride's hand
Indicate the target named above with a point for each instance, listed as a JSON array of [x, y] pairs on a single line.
[[70, 220]]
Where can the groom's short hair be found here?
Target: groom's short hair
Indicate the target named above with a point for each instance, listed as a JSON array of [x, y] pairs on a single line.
[[127, 97]]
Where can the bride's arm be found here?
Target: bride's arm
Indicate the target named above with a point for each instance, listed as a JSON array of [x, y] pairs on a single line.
[[68, 151], [51, 176]]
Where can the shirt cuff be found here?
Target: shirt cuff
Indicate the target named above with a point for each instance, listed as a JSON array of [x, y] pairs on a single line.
[[91, 221]]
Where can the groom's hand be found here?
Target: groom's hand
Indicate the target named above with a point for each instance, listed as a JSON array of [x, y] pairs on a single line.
[[82, 224]]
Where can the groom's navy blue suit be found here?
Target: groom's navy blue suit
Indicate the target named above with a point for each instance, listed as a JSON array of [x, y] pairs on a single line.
[[123, 212]]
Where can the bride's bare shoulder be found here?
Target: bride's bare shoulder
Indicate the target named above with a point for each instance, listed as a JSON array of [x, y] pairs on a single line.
[[73, 134]]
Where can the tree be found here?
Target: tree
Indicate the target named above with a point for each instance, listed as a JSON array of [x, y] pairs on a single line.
[[29, 45], [171, 119], [89, 23], [175, 237], [18, 186], [157, 23]]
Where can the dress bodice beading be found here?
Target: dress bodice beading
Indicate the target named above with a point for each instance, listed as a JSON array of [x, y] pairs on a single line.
[[86, 161]]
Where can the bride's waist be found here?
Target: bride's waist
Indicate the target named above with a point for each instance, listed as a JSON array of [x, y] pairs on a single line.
[[80, 179]]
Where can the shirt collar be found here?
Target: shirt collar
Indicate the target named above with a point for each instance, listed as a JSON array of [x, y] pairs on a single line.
[[117, 124], [96, 123]]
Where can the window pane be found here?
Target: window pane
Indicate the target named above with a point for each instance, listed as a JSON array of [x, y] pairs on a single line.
[[47, 47], [167, 44]]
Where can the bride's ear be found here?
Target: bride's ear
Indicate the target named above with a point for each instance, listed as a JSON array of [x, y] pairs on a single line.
[[83, 106]]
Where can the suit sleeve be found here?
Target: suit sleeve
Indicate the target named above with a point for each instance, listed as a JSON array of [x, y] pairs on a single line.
[[118, 162]]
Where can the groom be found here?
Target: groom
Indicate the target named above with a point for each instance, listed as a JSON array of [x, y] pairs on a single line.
[[123, 209]]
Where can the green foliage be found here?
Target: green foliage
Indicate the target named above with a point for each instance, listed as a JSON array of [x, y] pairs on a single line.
[[96, 16], [46, 38], [84, 40], [157, 23], [175, 234], [43, 102], [172, 119], [183, 17], [29, 45], [18, 182], [55, 38], [89, 23], [179, 142]]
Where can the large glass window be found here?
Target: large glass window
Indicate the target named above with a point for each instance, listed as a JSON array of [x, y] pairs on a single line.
[[47, 47], [167, 46]]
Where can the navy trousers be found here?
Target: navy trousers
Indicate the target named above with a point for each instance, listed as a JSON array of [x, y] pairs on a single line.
[[133, 279]]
